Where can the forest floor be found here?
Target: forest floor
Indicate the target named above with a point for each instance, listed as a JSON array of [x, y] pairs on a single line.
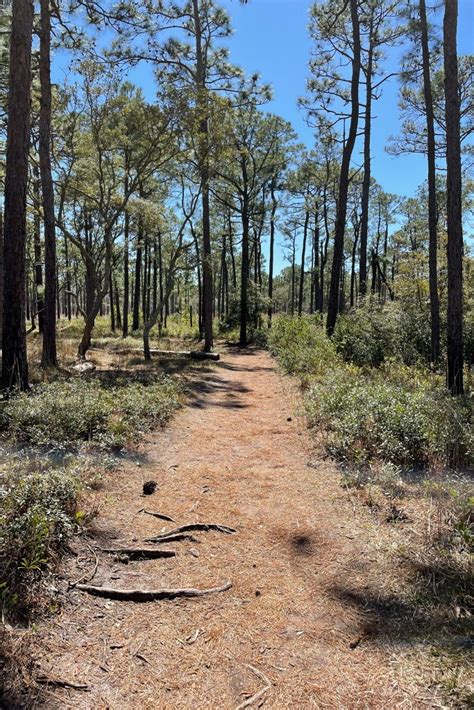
[[301, 618]]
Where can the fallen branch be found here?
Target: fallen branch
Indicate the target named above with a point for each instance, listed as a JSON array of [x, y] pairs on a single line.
[[161, 516], [58, 683], [192, 527], [139, 553], [260, 693], [173, 538], [147, 595], [193, 354]]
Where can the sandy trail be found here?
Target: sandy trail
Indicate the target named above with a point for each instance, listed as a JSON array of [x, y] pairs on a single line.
[[297, 564]]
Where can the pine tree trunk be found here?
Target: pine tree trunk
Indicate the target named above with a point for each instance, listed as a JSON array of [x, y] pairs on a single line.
[[432, 206], [49, 356], [455, 379], [14, 360], [272, 253], [333, 305], [303, 257], [138, 268], [364, 225]]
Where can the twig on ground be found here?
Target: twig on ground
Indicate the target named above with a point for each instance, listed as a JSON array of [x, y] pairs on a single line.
[[172, 538], [59, 683], [139, 553], [157, 515], [193, 526], [147, 595], [87, 577], [260, 693]]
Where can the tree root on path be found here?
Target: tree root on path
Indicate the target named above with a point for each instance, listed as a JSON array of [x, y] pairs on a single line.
[[172, 538], [147, 595], [139, 553], [58, 683], [157, 515], [192, 527], [260, 693]]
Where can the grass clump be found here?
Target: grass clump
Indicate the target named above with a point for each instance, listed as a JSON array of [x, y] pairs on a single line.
[[67, 413], [38, 515]]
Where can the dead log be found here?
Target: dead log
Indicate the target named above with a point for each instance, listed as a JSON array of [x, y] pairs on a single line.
[[135, 553], [193, 354], [149, 595], [191, 528]]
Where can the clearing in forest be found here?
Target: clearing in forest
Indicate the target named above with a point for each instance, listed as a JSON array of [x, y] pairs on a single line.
[[295, 629]]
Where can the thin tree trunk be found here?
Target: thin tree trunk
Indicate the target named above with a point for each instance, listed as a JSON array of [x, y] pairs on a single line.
[[303, 257], [49, 355], [432, 206], [244, 268], [37, 254], [333, 305], [138, 267], [364, 225], [455, 380], [272, 253]]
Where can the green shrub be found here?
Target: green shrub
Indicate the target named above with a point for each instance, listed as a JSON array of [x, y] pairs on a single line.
[[372, 334], [66, 413], [301, 345], [38, 514], [370, 420]]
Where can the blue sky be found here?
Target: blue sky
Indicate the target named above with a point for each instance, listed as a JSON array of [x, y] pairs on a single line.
[[271, 36]]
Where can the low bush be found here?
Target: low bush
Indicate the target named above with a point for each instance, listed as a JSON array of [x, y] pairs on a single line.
[[368, 420], [372, 334], [38, 514], [394, 413], [301, 345], [67, 413]]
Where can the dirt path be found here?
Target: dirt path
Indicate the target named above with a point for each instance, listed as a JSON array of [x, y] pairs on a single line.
[[297, 563]]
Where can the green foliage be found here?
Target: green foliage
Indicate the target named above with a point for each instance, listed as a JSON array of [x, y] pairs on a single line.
[[301, 345], [38, 514], [370, 420], [370, 335], [66, 413], [394, 413]]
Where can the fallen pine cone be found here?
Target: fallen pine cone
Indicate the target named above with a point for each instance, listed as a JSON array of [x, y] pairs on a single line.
[[149, 487]]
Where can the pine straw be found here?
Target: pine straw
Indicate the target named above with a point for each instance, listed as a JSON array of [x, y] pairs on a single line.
[[303, 569]]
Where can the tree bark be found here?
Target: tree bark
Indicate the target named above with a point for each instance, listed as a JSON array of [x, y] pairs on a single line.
[[303, 257], [333, 305], [455, 380], [244, 280], [207, 281], [49, 355], [432, 206], [364, 226], [14, 360], [138, 268], [272, 253]]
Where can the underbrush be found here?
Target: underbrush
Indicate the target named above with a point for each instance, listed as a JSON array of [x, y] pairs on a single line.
[[403, 445], [109, 413], [38, 515], [396, 414]]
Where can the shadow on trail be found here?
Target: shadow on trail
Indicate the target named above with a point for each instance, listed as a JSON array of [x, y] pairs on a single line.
[[433, 606], [213, 391]]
